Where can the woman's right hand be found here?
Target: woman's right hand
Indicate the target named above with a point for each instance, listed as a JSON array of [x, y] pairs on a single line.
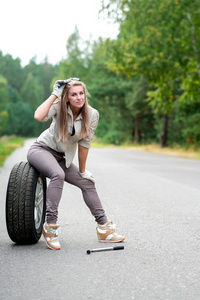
[[58, 88]]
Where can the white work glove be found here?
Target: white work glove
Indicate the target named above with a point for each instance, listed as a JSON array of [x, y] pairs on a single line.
[[58, 88], [87, 175]]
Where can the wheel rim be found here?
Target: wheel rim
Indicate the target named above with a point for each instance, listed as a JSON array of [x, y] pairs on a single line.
[[39, 203]]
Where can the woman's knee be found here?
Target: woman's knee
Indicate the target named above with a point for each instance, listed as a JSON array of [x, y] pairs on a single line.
[[58, 175]]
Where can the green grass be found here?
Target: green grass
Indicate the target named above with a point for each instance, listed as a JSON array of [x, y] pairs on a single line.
[[8, 145], [96, 144], [154, 148]]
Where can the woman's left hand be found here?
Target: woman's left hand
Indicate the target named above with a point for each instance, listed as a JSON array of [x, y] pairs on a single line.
[[87, 175]]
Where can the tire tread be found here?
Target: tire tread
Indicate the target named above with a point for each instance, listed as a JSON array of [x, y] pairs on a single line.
[[20, 204]]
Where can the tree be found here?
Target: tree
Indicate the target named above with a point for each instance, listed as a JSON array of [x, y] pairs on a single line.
[[159, 40], [78, 58], [21, 121], [21, 91], [135, 100], [44, 73], [11, 70], [47, 72], [124, 114], [3, 103], [32, 92]]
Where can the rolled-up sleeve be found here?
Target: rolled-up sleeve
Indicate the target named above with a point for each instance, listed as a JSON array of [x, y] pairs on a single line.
[[93, 125]]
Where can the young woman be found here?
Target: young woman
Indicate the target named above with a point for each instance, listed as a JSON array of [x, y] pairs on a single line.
[[73, 125]]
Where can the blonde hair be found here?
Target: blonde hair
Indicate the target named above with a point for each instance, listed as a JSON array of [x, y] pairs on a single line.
[[63, 112]]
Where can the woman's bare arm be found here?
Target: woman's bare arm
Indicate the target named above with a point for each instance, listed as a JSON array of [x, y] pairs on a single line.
[[82, 157], [42, 111]]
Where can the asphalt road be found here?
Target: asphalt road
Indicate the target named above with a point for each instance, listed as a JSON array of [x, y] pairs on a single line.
[[154, 200]]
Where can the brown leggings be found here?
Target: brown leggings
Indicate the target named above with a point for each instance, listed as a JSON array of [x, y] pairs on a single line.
[[52, 165]]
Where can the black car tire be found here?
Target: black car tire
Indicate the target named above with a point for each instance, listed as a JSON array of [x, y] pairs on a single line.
[[25, 204]]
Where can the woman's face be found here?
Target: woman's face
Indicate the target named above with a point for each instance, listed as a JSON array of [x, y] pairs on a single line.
[[76, 97]]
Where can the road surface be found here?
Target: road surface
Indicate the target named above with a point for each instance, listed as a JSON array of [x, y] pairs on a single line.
[[154, 200]]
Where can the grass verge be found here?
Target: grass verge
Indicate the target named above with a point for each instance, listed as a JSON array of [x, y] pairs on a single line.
[[7, 145], [155, 148]]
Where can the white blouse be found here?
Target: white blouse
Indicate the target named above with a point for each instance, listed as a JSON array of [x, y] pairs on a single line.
[[49, 137]]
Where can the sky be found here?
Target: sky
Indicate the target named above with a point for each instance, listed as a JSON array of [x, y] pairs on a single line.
[[41, 28]]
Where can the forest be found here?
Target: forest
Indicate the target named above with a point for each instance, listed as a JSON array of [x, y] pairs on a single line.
[[145, 83]]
